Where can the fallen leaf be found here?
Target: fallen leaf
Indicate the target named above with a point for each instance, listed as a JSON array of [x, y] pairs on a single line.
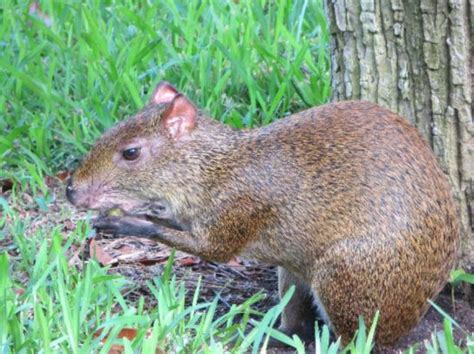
[[116, 349], [19, 291], [148, 261], [35, 10], [99, 253], [63, 175], [130, 334], [188, 261]]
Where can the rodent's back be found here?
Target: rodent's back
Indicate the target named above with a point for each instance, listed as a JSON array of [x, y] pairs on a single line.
[[364, 209], [358, 160]]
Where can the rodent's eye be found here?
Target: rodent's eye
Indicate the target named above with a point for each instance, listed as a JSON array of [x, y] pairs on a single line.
[[131, 154]]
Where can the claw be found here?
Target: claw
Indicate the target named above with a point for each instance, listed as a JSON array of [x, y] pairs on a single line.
[[124, 226]]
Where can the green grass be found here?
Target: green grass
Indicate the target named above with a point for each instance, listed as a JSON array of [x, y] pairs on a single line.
[[63, 309], [245, 62]]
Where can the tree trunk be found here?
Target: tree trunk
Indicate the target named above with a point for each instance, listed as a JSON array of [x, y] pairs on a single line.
[[416, 58]]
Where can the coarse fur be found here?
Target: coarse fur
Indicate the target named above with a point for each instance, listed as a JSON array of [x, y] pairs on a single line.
[[347, 199]]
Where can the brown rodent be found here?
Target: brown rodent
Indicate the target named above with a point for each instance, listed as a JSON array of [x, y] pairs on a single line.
[[347, 199]]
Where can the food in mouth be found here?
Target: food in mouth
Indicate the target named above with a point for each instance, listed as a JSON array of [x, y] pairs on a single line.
[[115, 212], [151, 215]]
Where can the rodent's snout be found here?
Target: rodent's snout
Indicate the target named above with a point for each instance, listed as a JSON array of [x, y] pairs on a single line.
[[70, 192], [84, 195]]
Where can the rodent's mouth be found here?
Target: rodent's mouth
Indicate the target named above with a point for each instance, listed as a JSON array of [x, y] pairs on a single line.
[[120, 213], [149, 215]]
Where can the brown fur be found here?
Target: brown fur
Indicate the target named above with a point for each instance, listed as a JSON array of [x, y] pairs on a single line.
[[346, 198]]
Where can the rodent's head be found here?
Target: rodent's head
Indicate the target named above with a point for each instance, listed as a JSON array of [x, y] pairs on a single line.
[[115, 171]]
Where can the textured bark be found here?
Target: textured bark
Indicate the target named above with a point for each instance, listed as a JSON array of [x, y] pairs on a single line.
[[417, 58]]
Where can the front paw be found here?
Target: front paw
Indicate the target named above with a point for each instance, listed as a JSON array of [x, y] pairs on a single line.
[[122, 226], [108, 224]]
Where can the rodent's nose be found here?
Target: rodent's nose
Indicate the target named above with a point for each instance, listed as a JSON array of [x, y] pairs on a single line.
[[70, 192]]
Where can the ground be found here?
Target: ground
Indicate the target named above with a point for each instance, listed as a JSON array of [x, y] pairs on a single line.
[[141, 260]]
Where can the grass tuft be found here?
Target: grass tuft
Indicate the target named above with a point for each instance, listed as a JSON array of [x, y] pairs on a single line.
[[246, 63]]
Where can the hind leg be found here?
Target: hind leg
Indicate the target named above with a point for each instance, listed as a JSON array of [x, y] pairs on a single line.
[[299, 315]]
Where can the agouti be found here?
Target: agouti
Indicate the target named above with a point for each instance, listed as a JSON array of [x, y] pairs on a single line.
[[347, 199]]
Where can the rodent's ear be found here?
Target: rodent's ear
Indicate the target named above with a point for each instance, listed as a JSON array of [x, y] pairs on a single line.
[[164, 93], [180, 117]]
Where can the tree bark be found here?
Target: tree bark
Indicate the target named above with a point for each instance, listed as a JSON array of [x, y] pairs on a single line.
[[415, 57]]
